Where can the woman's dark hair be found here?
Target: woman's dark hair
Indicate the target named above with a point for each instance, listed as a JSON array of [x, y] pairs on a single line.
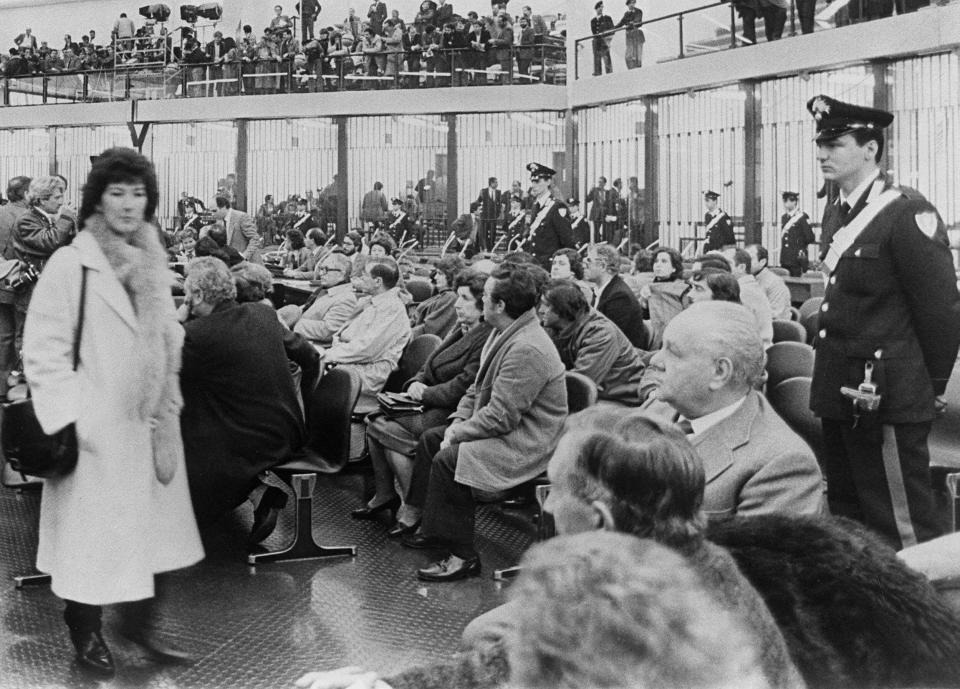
[[643, 261], [566, 299], [575, 259], [316, 235], [230, 255], [218, 234], [384, 240], [451, 265], [356, 238], [206, 247], [115, 166], [676, 260], [254, 282], [475, 281], [295, 237], [516, 287]]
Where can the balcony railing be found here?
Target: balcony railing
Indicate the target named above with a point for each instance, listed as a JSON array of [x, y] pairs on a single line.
[[721, 26], [537, 64]]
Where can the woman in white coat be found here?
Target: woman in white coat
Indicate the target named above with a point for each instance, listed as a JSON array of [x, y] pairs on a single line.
[[124, 514]]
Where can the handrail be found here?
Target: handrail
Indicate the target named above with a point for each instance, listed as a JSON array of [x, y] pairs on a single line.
[[534, 63]]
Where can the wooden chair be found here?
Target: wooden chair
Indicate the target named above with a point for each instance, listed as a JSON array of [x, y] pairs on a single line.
[[326, 452], [581, 393], [788, 360], [788, 331], [414, 356]]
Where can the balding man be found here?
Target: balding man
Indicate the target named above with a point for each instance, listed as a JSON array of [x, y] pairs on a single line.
[[710, 364], [778, 294]]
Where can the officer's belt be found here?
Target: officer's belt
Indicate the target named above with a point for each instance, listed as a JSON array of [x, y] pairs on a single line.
[[847, 235]]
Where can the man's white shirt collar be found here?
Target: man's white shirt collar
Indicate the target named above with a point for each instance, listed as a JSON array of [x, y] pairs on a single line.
[[861, 189], [713, 418]]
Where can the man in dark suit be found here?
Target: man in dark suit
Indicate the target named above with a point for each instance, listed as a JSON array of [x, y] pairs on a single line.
[[550, 227], [603, 211], [217, 53], [718, 228], [490, 202], [795, 236], [711, 361], [889, 332], [615, 299], [240, 413], [601, 44], [309, 11]]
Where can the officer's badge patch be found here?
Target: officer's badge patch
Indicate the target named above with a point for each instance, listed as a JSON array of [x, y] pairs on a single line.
[[562, 212], [927, 222], [820, 108]]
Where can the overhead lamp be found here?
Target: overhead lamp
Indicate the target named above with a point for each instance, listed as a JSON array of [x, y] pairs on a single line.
[[188, 13], [210, 10], [157, 12]]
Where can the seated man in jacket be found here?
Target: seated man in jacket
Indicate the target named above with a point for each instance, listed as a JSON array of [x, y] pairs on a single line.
[[373, 341], [615, 299], [240, 413], [502, 433], [332, 309], [711, 361], [589, 343]]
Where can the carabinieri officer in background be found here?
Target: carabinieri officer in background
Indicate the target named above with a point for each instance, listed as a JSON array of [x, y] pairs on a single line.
[[718, 231], [795, 236], [889, 332], [550, 229]]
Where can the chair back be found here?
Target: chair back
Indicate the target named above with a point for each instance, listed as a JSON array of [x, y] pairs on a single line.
[[777, 270], [581, 392], [790, 398], [788, 331], [328, 425], [811, 324], [414, 356], [788, 360], [420, 290], [811, 305], [795, 314]]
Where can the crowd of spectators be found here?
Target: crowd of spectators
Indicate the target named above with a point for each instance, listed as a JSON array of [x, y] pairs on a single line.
[[437, 46]]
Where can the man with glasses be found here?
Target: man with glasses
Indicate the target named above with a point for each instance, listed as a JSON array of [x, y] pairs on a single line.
[[614, 298], [332, 310]]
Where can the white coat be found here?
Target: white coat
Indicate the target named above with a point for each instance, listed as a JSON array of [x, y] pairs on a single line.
[[108, 527]]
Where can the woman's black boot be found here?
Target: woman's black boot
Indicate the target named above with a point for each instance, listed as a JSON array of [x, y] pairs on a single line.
[[83, 621]]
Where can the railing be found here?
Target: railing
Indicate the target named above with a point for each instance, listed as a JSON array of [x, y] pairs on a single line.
[[537, 64], [729, 26]]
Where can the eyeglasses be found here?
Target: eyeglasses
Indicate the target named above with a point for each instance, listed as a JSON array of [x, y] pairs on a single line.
[[324, 270]]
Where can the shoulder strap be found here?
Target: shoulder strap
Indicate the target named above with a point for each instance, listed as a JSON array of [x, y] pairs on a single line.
[[83, 304]]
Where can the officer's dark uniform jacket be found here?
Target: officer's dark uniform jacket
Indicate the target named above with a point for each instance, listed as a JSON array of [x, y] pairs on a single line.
[[892, 299], [552, 233], [721, 234], [794, 241]]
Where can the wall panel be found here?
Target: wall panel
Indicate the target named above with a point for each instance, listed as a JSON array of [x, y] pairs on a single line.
[[75, 145], [190, 157], [396, 151], [500, 145], [610, 145], [701, 147], [925, 142], [290, 157], [24, 152]]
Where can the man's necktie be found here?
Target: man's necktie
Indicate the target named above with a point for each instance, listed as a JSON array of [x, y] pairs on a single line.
[[844, 212], [685, 426]]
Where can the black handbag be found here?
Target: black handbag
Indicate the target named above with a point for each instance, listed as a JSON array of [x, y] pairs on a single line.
[[29, 450]]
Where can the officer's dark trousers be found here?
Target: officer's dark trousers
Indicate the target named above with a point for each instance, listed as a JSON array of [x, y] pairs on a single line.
[[880, 475], [449, 508]]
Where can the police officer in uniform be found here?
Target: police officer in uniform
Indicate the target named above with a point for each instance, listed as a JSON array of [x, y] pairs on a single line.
[[718, 228], [889, 332], [550, 229], [399, 226], [578, 224], [795, 236]]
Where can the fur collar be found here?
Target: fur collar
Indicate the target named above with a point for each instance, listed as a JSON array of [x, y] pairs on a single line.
[[140, 265]]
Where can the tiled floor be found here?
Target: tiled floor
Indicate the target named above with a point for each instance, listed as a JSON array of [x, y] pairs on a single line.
[[264, 626]]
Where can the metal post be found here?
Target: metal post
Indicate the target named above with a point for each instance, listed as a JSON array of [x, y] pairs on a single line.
[[733, 27], [680, 24], [452, 168], [793, 17], [343, 206], [243, 164]]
